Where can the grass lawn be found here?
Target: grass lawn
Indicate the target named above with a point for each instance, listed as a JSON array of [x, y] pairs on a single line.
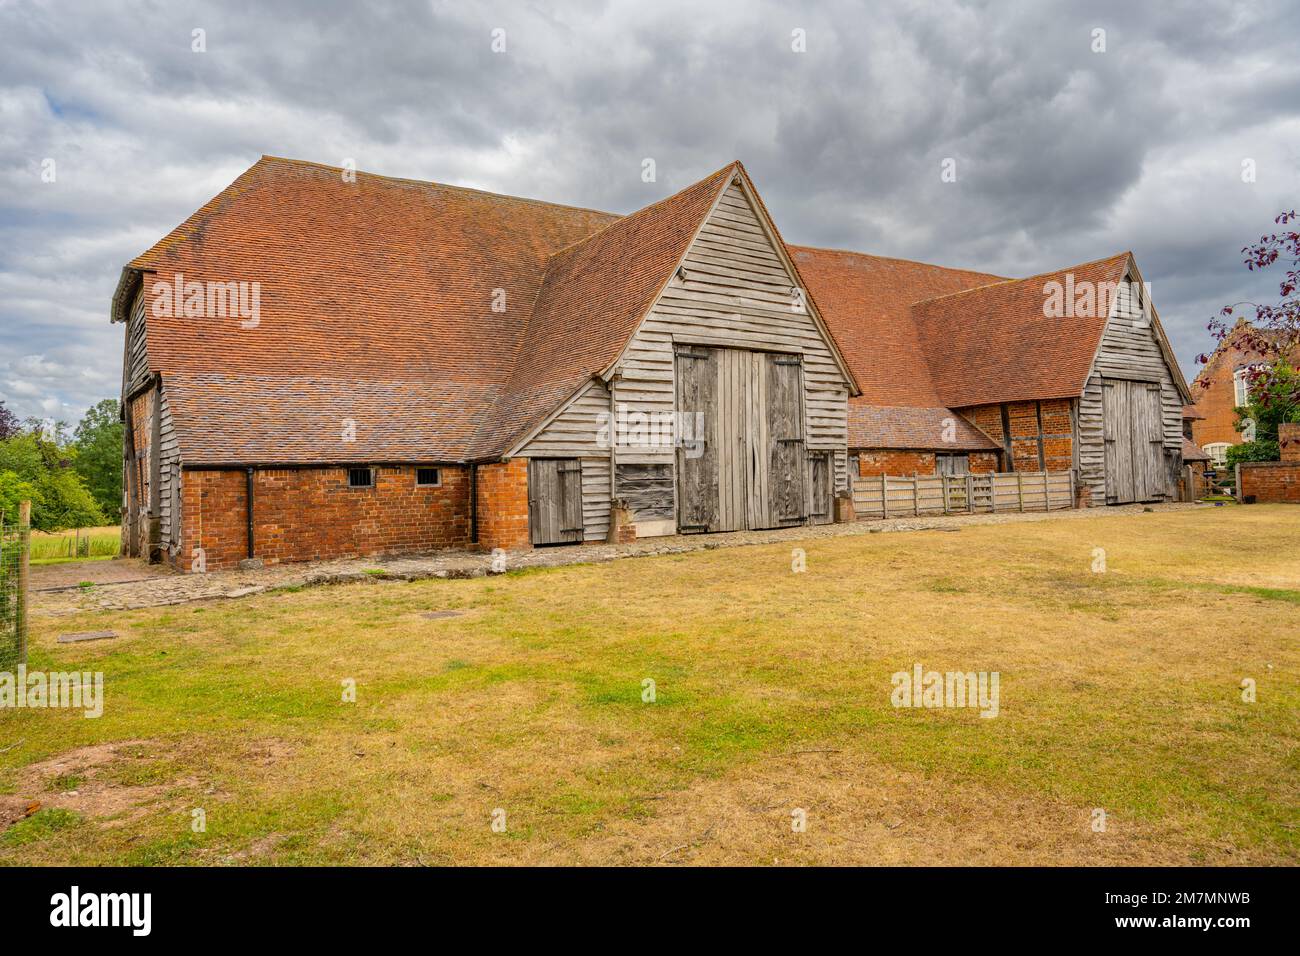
[[1119, 692], [59, 547]]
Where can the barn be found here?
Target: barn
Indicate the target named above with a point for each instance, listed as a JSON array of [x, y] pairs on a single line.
[[971, 373], [322, 363]]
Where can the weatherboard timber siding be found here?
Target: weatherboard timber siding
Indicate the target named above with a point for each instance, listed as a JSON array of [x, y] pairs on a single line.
[[1128, 351], [736, 293], [576, 432]]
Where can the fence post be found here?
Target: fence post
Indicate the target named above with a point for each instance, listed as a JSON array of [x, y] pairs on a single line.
[[1047, 495], [24, 571], [916, 494], [970, 494], [947, 501], [1020, 488], [884, 495]]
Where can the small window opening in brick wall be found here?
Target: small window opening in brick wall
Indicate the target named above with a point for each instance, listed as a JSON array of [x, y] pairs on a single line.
[[428, 477], [361, 477]]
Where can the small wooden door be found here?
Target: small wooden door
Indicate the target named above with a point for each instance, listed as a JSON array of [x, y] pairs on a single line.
[[820, 501], [698, 500], [1133, 433], [555, 500]]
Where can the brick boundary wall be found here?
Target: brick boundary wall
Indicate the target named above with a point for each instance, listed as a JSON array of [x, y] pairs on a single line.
[[311, 514], [1274, 481]]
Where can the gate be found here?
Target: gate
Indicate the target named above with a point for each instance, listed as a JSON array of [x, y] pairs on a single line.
[[15, 540]]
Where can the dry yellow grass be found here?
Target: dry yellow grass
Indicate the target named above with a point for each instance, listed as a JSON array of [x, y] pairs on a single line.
[[1119, 691]]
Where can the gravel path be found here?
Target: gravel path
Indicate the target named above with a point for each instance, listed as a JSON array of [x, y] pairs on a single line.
[[170, 588]]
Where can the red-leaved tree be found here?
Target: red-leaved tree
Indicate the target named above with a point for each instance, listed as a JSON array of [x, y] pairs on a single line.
[[1274, 331]]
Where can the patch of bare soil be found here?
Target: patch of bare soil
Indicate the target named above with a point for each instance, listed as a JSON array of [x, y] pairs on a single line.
[[95, 782]]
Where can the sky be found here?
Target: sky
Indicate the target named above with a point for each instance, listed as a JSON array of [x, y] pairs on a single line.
[[1175, 133]]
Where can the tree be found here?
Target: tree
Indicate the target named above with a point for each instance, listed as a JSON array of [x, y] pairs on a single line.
[[1274, 332], [9, 426], [1275, 402], [59, 496], [98, 440]]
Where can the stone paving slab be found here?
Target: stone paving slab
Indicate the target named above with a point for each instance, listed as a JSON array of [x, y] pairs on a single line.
[[167, 589]]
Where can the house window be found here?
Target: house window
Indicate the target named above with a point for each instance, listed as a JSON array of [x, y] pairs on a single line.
[[1218, 451], [361, 477], [1240, 393], [427, 477]]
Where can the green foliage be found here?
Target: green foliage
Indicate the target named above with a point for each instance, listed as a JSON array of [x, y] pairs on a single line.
[[1261, 450], [13, 491], [32, 466], [1274, 401], [98, 440]]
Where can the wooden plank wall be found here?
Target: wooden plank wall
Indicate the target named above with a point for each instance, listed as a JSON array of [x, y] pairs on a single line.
[[1128, 350], [162, 455], [575, 433], [736, 293], [1012, 492]]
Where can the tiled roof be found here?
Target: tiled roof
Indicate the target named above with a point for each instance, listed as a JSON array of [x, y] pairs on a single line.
[[995, 344], [391, 285], [594, 294], [867, 301], [1192, 453], [1190, 412], [882, 426], [448, 322], [223, 420]]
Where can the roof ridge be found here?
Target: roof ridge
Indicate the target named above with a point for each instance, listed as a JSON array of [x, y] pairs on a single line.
[[430, 182], [636, 212], [1039, 275], [913, 262]]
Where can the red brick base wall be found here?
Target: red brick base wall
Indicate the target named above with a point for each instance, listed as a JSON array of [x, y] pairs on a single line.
[[874, 462], [1270, 481], [1057, 432], [503, 505], [310, 514]]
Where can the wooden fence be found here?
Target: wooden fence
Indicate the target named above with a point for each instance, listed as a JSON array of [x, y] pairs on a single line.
[[889, 496]]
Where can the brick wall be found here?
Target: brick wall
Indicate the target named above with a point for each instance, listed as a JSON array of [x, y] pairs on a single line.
[[1057, 431], [893, 461], [1215, 396], [309, 514], [1288, 439], [503, 505], [1270, 481]]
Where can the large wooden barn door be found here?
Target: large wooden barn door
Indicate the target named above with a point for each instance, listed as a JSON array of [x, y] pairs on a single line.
[[749, 467], [1133, 431], [555, 500]]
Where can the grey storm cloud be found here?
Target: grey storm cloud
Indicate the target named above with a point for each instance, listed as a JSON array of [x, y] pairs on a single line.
[[1062, 154]]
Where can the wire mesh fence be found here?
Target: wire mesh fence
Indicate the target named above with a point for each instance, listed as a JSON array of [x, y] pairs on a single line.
[[15, 539]]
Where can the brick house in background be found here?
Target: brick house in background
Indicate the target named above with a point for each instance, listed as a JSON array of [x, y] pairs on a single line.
[[413, 366], [1219, 389]]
